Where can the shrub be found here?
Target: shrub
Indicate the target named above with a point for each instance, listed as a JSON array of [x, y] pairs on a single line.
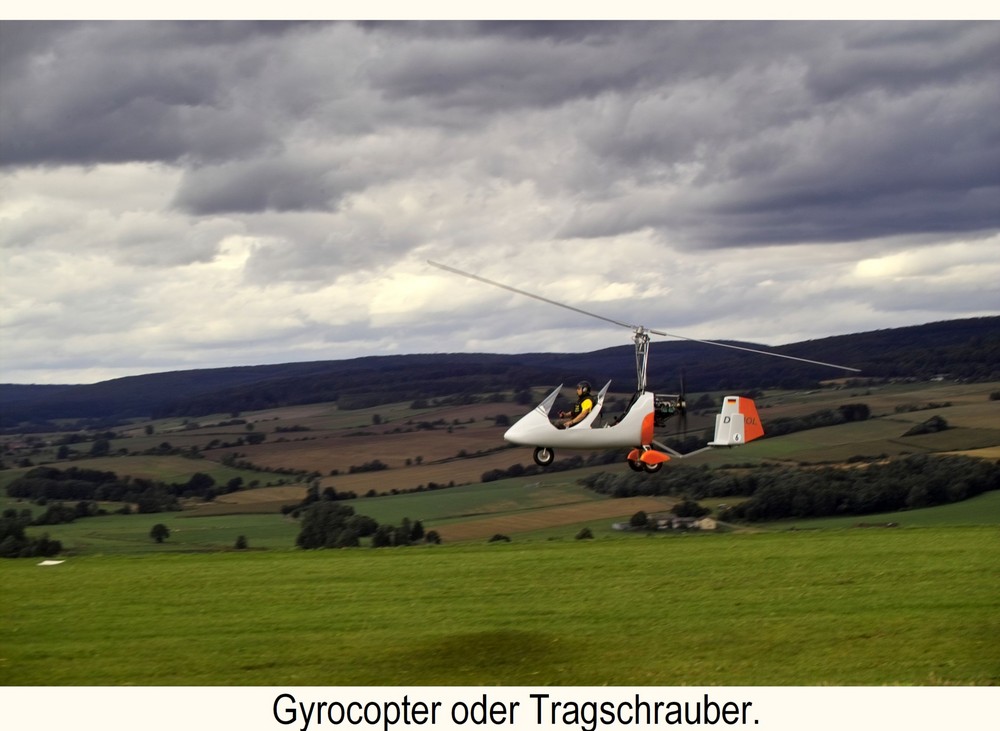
[[689, 509], [347, 539], [382, 538], [931, 426]]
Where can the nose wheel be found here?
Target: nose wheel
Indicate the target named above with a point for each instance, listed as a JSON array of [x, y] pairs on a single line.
[[544, 456]]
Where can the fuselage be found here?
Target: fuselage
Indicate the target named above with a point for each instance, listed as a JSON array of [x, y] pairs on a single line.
[[635, 428]]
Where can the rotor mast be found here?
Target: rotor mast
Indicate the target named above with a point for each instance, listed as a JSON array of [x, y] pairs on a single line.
[[640, 337]]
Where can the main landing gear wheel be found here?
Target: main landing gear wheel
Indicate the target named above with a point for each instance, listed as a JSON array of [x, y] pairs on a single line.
[[544, 456], [636, 465], [652, 467]]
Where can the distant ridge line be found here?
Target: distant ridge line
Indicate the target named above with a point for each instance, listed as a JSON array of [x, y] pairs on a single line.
[[962, 349]]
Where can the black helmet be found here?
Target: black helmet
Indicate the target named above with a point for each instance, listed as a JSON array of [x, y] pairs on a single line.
[[584, 386]]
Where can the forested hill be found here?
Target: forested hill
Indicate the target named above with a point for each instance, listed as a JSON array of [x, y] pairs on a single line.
[[962, 349]]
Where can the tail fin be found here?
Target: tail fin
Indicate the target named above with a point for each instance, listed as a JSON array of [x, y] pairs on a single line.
[[737, 424]]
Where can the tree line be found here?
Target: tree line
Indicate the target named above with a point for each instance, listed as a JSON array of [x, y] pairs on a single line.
[[965, 349], [328, 523], [14, 543], [778, 492], [816, 420], [47, 484]]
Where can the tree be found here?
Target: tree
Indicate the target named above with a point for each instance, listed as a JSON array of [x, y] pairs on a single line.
[[347, 539], [417, 533], [523, 397], [639, 520], [100, 448], [200, 482], [362, 525], [159, 533], [404, 533], [241, 543], [689, 509], [433, 537], [382, 538], [855, 412], [931, 426], [322, 524]]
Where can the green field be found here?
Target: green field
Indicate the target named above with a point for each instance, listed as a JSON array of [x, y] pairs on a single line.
[[790, 603], [980, 510], [163, 468], [907, 606], [116, 534]]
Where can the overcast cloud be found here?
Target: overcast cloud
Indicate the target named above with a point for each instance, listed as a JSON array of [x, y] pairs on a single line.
[[204, 194]]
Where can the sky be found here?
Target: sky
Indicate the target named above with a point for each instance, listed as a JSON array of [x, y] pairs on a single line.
[[178, 195]]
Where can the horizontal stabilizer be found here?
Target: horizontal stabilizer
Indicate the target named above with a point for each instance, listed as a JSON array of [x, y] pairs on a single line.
[[737, 424]]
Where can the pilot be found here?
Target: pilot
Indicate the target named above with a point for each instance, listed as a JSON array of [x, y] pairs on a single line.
[[583, 406]]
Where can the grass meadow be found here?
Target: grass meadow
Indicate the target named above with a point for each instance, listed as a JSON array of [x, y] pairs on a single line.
[[845, 607]]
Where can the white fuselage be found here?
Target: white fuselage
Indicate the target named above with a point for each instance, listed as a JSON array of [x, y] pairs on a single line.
[[535, 429]]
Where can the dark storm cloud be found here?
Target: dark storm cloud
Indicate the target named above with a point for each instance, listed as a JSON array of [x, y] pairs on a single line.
[[774, 131], [900, 57], [848, 139], [255, 186], [88, 93], [496, 67]]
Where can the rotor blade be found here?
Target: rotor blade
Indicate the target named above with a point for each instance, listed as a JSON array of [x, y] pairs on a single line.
[[636, 328], [754, 350], [447, 268]]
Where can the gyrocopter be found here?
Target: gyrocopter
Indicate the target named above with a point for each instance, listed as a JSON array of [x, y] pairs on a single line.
[[736, 424]]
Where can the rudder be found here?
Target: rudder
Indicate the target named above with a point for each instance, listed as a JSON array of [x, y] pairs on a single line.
[[737, 423]]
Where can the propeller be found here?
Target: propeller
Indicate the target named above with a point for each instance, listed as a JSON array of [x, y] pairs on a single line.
[[682, 407], [641, 332]]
